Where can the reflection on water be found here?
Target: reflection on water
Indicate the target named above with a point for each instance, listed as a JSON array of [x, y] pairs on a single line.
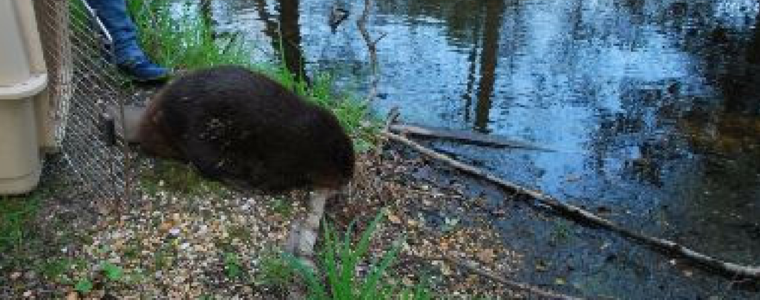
[[653, 106]]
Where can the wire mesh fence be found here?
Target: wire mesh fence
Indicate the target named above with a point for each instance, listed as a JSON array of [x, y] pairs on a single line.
[[83, 84]]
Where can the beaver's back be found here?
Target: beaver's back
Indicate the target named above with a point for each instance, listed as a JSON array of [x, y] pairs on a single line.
[[237, 125]]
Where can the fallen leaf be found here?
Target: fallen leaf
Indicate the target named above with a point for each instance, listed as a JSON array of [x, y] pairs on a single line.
[[500, 213], [394, 219], [444, 246], [72, 296], [165, 226], [604, 246], [541, 266], [446, 269], [486, 256], [407, 281]]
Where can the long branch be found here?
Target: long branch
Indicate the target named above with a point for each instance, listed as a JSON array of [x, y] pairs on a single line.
[[577, 212], [469, 137]]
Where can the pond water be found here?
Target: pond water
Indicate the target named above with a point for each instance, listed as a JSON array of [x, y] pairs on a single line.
[[652, 107]]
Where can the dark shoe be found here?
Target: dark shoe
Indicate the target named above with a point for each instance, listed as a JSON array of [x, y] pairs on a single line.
[[142, 70]]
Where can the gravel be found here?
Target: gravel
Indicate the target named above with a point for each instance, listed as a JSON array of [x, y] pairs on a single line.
[[172, 245]]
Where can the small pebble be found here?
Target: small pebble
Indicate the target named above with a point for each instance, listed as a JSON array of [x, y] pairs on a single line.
[[15, 275], [174, 231], [30, 275]]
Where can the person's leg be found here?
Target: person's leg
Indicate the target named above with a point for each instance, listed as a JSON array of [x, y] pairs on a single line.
[[127, 53]]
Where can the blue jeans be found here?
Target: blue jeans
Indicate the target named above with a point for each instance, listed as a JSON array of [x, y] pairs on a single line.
[[114, 15]]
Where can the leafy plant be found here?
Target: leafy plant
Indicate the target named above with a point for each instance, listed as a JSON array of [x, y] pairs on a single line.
[[57, 269], [232, 266], [84, 286], [112, 272], [340, 259]]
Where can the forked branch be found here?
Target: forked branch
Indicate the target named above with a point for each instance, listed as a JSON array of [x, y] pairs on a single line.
[[371, 48]]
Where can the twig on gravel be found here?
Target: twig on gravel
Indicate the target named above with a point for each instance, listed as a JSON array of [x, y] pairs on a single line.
[[471, 267]]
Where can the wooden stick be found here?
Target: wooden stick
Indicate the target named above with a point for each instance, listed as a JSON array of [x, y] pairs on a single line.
[[371, 48], [464, 136], [472, 268], [538, 197], [393, 114]]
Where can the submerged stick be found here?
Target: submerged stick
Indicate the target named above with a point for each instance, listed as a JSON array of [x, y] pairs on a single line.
[[463, 136], [538, 197]]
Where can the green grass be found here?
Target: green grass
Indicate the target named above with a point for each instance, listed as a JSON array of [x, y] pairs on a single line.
[[176, 36], [178, 178], [274, 271], [112, 274], [181, 39], [61, 269], [84, 286], [112, 271], [281, 206], [339, 260], [28, 246], [17, 215], [232, 265], [21, 236]]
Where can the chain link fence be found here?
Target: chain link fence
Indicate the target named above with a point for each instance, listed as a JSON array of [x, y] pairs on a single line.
[[83, 84]]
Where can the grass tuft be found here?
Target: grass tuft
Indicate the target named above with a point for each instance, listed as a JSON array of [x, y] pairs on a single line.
[[17, 216], [341, 258], [274, 271], [175, 36], [178, 178]]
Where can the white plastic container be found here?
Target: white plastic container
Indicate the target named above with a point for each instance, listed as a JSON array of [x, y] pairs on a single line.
[[23, 79]]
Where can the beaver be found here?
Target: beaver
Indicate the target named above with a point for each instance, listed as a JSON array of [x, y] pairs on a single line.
[[245, 129]]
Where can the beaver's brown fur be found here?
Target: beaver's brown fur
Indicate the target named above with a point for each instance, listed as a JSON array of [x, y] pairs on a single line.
[[243, 128]]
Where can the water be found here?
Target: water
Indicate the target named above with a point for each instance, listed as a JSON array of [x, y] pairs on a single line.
[[653, 107]]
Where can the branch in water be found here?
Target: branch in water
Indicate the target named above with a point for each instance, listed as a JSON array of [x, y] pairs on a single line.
[[371, 47], [537, 197]]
